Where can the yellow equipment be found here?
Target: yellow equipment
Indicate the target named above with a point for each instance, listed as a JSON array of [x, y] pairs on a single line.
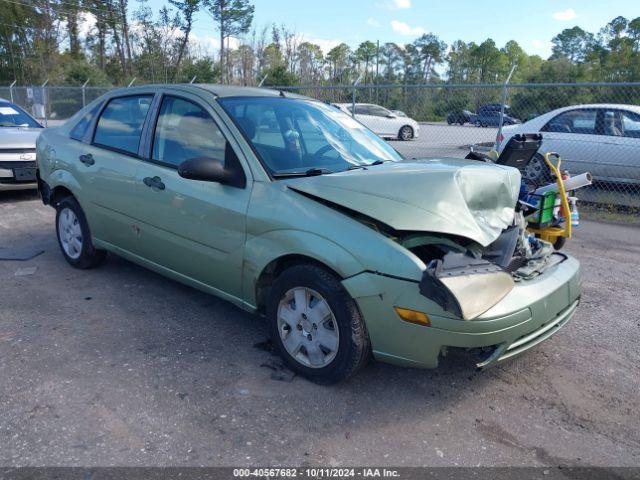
[[556, 234]]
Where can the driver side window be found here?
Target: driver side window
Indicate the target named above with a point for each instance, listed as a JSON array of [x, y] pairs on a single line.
[[378, 111], [185, 130]]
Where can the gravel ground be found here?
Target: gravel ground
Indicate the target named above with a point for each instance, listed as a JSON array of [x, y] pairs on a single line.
[[120, 366]]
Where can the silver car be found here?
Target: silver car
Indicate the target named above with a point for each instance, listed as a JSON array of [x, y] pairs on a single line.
[[603, 139], [18, 133]]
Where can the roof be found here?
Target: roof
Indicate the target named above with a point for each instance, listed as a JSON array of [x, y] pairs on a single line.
[[239, 91], [613, 106], [216, 89]]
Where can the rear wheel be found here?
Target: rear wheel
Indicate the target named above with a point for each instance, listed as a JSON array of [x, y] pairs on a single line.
[[405, 133], [316, 326], [477, 123], [74, 236]]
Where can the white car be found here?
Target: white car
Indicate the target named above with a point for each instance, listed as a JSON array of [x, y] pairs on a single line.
[[18, 133], [603, 139], [383, 122]]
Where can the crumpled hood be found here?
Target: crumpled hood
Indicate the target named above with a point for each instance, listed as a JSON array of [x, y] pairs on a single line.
[[460, 197]]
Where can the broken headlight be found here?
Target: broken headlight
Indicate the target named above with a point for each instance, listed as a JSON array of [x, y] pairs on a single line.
[[465, 285]]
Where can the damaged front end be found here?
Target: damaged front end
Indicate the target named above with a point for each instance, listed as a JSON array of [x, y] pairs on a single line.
[[467, 279]]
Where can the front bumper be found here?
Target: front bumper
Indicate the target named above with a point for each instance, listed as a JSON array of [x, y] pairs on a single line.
[[17, 175], [533, 311]]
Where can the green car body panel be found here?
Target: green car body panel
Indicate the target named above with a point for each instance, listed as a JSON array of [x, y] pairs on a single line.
[[224, 240]]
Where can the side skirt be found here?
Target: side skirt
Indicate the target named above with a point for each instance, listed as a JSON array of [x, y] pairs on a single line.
[[174, 275]]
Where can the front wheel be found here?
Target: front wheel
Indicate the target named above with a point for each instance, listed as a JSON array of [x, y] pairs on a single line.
[[74, 236], [316, 326], [537, 171], [559, 243], [406, 133]]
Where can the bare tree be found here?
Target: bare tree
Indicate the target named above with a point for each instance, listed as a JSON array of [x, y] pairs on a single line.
[[232, 17], [187, 9]]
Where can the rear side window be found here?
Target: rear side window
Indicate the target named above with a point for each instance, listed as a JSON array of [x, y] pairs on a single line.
[[120, 124], [573, 121], [79, 131], [185, 131]]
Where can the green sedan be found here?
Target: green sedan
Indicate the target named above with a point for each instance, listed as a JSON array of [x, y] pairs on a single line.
[[292, 209]]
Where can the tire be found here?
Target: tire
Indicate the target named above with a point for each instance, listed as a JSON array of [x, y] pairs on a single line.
[[461, 123], [537, 171], [477, 124], [559, 243], [449, 122], [405, 133], [341, 345], [74, 236]]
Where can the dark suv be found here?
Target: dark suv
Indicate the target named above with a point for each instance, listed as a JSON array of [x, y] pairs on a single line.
[[489, 116], [461, 117]]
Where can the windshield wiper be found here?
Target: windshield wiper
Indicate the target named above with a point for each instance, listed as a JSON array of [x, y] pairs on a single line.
[[312, 172]]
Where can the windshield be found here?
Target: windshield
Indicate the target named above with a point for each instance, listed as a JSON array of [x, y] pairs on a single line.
[[13, 116], [296, 136]]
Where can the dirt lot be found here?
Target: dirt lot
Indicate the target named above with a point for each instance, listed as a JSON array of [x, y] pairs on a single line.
[[120, 366]]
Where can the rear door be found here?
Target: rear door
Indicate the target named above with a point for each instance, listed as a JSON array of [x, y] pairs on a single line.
[[573, 134], [194, 228], [107, 169]]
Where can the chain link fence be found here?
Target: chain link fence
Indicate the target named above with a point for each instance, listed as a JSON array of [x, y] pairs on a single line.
[[454, 118], [603, 140]]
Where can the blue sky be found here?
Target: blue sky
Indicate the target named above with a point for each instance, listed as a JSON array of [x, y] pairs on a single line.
[[328, 22]]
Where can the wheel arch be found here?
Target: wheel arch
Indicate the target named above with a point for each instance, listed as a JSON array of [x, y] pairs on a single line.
[[278, 265], [289, 248], [62, 184]]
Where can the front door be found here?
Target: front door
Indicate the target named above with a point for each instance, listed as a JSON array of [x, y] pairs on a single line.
[[619, 158], [194, 228]]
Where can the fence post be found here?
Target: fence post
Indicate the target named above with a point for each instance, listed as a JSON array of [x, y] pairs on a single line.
[[353, 95], [11, 90], [263, 79], [84, 93], [131, 82], [193, 79], [505, 90], [45, 100]]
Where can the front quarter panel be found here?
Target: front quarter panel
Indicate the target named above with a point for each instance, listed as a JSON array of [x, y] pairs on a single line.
[[283, 222]]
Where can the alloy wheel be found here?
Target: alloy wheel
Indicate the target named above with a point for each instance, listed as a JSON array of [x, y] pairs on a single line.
[[406, 133]]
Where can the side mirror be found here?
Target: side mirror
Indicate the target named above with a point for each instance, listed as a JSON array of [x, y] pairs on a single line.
[[203, 168], [209, 169]]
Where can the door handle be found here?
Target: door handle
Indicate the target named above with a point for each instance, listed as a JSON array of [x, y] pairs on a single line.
[[87, 159], [153, 182]]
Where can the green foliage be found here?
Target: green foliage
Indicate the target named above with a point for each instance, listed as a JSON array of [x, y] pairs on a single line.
[[161, 49], [204, 69], [279, 76], [76, 71]]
